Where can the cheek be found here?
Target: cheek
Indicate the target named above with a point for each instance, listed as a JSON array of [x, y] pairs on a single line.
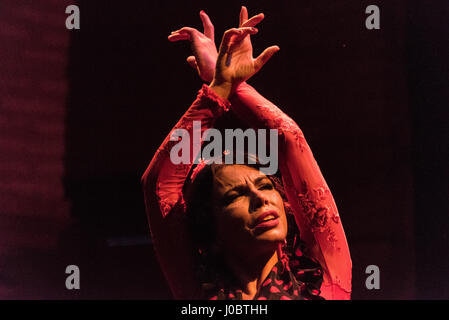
[[232, 221], [285, 224], [233, 216], [279, 202]]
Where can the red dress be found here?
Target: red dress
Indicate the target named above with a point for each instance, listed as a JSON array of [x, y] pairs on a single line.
[[315, 212]]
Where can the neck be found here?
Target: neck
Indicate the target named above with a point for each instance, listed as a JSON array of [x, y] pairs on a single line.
[[251, 271]]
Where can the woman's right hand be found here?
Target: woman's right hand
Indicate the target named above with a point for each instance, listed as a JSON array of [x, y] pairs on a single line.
[[235, 62], [203, 47]]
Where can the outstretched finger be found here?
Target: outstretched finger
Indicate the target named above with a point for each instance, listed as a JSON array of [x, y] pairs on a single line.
[[243, 16], [183, 31], [265, 56], [179, 36], [207, 25], [253, 21]]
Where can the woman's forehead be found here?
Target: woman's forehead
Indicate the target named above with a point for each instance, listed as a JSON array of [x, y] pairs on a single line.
[[232, 175]]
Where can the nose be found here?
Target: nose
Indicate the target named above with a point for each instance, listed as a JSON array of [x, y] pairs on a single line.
[[258, 199]]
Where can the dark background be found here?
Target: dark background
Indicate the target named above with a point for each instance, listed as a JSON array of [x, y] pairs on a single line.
[[83, 111]]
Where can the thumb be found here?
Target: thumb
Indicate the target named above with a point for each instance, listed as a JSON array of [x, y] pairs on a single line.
[[191, 60], [265, 56]]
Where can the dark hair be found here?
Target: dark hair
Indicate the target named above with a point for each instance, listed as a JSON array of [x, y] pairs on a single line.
[[201, 220]]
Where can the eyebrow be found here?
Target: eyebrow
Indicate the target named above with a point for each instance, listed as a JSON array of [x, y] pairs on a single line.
[[241, 186]]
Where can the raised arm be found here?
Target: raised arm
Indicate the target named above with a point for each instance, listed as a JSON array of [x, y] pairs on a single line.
[[162, 187], [308, 193], [315, 211]]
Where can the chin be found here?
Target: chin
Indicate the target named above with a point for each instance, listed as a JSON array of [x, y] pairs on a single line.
[[273, 235]]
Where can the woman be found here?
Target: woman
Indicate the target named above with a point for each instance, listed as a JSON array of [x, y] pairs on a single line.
[[230, 222]]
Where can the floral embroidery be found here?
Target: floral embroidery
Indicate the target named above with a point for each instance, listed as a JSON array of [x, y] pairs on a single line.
[[315, 210]]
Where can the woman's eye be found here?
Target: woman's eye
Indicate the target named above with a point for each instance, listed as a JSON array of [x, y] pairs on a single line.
[[231, 198], [266, 186]]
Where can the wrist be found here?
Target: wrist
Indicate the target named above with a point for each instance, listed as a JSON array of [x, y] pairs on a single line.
[[222, 89]]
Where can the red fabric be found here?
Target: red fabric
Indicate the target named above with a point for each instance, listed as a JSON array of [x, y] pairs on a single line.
[[308, 194], [294, 277]]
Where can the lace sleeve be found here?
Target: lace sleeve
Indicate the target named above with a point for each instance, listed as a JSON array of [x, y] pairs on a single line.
[[308, 194], [162, 185], [170, 177]]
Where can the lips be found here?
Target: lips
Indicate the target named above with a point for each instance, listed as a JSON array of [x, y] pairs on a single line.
[[267, 219]]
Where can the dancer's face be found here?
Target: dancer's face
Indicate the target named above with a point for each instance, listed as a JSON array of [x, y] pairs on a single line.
[[249, 211]]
